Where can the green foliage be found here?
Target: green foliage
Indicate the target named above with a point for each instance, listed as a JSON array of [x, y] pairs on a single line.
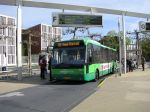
[[24, 49], [145, 45], [110, 41], [112, 33]]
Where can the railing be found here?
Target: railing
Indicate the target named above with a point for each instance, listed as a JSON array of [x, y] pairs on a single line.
[[12, 73]]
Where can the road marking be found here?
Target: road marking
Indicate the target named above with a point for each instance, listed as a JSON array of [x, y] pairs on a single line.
[[101, 83], [12, 94]]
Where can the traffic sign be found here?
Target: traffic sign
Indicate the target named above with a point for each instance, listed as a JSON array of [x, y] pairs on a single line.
[[144, 26]]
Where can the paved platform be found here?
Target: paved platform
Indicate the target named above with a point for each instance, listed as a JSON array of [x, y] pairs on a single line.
[[128, 93], [10, 82]]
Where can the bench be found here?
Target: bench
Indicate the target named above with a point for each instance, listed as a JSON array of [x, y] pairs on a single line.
[[6, 73]]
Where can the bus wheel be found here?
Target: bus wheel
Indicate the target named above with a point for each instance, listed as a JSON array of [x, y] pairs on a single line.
[[96, 76]]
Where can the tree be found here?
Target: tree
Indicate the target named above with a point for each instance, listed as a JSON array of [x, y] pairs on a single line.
[[145, 45], [112, 33], [83, 30], [112, 39], [74, 30]]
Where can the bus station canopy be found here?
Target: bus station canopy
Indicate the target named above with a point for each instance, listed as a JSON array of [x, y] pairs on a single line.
[[30, 3]]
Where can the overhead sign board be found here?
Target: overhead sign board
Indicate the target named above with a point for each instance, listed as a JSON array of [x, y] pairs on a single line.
[[76, 20]]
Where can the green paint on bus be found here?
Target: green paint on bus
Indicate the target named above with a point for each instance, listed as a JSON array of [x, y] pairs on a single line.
[[82, 60]]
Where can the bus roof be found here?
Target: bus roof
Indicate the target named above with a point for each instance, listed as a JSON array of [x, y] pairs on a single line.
[[88, 40], [97, 43]]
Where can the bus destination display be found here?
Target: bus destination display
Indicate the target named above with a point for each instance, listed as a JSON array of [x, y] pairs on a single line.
[[68, 44]]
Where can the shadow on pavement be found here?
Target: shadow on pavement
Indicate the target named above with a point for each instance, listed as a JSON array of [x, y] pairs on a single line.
[[71, 82], [62, 82], [36, 80], [26, 80]]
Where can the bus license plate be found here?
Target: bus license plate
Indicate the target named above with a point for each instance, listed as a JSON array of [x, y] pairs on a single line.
[[67, 78]]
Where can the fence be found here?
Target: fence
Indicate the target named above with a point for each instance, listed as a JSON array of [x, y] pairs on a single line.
[[34, 59]]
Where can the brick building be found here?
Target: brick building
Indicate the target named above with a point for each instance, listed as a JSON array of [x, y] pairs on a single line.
[[42, 35]]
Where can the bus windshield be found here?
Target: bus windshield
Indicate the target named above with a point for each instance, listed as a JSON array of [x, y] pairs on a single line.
[[70, 55]]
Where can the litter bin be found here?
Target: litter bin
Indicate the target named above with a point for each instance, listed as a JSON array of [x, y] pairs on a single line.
[[4, 69]]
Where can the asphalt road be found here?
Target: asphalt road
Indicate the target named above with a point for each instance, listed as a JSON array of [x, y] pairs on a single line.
[[58, 96]]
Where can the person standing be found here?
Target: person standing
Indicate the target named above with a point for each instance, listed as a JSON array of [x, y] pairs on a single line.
[[143, 63], [43, 64], [128, 65], [49, 67]]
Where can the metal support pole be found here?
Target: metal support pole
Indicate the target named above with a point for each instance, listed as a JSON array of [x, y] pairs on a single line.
[[29, 55], [138, 52], [19, 39], [120, 56], [147, 19], [124, 43], [63, 10], [91, 11]]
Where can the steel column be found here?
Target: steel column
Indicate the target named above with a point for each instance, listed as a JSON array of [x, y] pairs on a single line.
[[124, 43], [19, 39]]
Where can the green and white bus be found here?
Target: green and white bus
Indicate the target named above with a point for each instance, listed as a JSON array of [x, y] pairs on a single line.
[[82, 60]]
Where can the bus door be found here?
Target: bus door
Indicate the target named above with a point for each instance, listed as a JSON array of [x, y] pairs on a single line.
[[89, 66]]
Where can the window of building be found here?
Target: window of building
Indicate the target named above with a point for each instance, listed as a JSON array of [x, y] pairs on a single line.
[[2, 20], [11, 59], [54, 30], [11, 22], [10, 31], [11, 41], [49, 29], [43, 28], [11, 49]]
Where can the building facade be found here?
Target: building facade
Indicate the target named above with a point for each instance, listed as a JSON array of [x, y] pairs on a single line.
[[41, 36], [7, 40]]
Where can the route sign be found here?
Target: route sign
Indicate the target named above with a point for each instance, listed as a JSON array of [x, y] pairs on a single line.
[[76, 20], [147, 26], [144, 26]]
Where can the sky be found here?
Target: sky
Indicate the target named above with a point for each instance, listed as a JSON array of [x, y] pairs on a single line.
[[33, 16]]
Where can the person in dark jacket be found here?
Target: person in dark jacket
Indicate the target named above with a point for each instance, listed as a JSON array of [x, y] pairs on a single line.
[[129, 65], [43, 65], [49, 67], [143, 63]]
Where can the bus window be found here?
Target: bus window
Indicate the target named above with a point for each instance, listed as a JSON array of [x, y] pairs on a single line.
[[70, 55], [89, 53]]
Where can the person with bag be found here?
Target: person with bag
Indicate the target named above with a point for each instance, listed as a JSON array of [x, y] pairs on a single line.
[[43, 65]]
